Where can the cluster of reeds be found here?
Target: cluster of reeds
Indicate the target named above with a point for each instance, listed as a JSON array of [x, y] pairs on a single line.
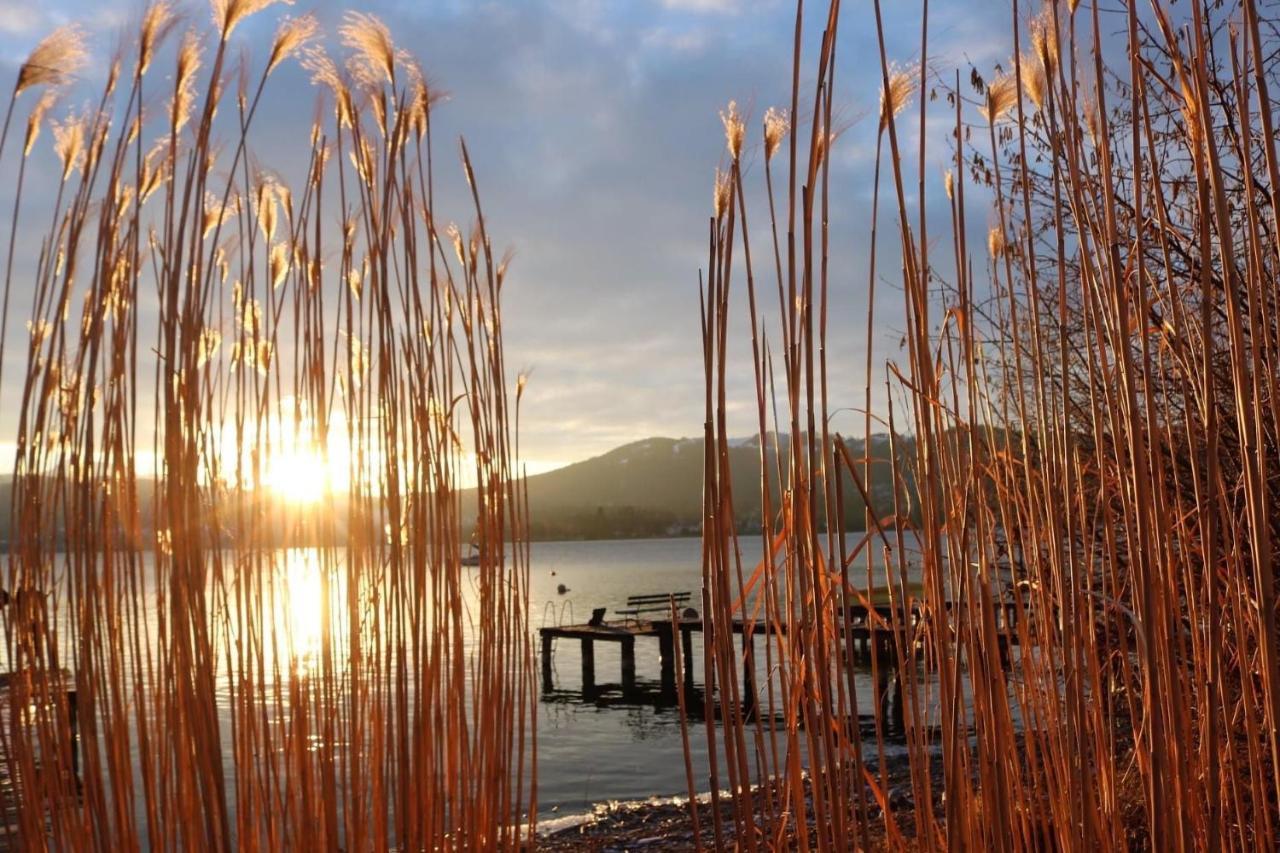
[[190, 306], [1091, 406]]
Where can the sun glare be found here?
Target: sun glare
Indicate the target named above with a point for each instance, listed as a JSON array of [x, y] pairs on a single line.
[[300, 476], [298, 465]]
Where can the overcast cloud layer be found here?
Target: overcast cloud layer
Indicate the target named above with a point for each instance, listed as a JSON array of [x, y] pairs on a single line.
[[594, 131]]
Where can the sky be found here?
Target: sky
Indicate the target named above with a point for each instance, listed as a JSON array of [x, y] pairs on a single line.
[[593, 127]]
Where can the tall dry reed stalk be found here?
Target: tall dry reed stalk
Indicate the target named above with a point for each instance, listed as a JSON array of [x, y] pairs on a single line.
[[336, 319], [1093, 427]]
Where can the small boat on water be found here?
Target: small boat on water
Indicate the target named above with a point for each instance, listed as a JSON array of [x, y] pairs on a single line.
[[472, 558]]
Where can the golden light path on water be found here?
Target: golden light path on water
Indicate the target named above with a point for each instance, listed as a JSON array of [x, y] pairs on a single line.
[[307, 606]]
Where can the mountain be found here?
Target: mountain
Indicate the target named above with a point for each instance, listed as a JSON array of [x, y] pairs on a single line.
[[653, 487]]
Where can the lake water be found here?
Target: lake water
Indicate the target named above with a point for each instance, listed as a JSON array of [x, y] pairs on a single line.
[[595, 746]]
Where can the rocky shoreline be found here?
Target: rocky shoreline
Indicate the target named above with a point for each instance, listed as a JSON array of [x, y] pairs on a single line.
[[666, 824]]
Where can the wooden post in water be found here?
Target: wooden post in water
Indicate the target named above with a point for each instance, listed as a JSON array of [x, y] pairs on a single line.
[[667, 654], [546, 663], [686, 648], [588, 665], [628, 664], [73, 720]]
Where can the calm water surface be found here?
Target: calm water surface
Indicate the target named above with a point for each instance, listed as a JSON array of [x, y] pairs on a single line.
[[593, 746]]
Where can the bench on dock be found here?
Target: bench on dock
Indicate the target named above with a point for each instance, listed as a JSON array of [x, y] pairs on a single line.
[[657, 603]]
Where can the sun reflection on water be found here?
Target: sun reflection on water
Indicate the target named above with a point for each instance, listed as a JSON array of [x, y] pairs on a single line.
[[312, 587]]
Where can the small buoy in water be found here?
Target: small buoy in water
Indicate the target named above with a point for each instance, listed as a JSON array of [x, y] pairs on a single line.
[[562, 589], [553, 573]]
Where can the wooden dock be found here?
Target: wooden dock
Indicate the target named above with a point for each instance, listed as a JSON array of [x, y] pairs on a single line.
[[867, 630]]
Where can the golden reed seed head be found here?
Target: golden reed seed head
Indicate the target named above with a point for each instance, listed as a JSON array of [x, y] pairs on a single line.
[[424, 98], [266, 209], [36, 118], [1002, 94], [364, 162], [1034, 82], [184, 90], [949, 184], [68, 143], [228, 13], [775, 128], [378, 103], [263, 359], [324, 72], [735, 130], [156, 23], [58, 57], [318, 163], [155, 168], [284, 196], [210, 341], [1044, 37], [903, 83], [722, 193], [216, 213], [279, 264], [371, 40], [291, 36], [996, 244]]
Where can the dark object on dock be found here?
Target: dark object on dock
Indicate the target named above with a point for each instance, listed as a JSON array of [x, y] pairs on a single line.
[[597, 617], [661, 603], [23, 597]]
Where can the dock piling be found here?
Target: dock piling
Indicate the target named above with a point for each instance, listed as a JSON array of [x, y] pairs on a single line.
[[629, 664], [588, 665], [686, 649], [547, 682], [666, 654]]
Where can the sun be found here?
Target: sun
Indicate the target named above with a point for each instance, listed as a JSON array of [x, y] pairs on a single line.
[[300, 475], [302, 464]]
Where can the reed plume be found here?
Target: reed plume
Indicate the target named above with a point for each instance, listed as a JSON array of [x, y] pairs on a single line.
[[54, 61], [776, 126], [894, 98]]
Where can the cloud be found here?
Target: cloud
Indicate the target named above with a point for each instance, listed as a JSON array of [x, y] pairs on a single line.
[[720, 6], [19, 19], [594, 133]]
